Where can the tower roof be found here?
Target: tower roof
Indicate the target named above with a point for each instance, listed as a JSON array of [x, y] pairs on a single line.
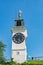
[[18, 28]]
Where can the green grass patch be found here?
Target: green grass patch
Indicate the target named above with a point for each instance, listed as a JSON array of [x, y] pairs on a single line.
[[32, 62]]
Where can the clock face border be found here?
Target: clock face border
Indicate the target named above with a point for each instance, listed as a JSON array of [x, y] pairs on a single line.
[[18, 38]]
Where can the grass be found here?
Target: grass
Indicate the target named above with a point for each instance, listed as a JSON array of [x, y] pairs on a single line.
[[39, 62], [33, 62]]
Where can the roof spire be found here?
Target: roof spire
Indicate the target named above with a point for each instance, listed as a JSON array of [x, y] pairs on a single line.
[[19, 13]]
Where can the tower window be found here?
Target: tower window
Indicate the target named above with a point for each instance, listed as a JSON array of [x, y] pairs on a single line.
[[17, 53], [18, 23]]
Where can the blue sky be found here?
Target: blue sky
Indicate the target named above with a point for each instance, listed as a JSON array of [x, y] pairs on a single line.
[[32, 13]]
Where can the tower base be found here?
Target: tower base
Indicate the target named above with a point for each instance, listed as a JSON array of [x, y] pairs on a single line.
[[19, 56]]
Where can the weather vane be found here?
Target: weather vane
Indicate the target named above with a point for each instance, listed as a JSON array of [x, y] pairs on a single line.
[[19, 13]]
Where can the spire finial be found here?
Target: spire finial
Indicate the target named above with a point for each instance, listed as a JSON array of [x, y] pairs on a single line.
[[19, 13]]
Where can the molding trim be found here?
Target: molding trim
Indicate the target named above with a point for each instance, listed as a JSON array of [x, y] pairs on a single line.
[[18, 49]]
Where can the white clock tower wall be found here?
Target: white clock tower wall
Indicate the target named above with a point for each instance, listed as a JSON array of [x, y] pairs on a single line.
[[22, 31], [19, 56]]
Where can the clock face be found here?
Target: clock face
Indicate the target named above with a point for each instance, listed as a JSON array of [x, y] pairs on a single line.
[[18, 38]]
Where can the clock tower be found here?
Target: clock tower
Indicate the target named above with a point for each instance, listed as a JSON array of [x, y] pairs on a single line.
[[19, 35]]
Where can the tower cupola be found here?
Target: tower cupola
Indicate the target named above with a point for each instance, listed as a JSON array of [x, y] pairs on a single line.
[[19, 21]]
